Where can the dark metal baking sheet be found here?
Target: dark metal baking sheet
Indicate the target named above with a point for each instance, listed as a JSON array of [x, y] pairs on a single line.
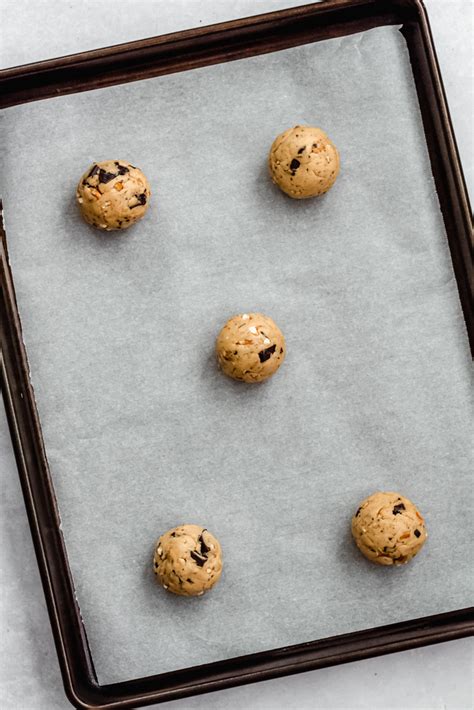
[[329, 493]]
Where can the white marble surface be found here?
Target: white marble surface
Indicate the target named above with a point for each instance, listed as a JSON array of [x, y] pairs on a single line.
[[436, 677]]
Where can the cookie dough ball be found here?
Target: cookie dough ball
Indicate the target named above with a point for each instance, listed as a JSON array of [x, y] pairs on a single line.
[[303, 162], [188, 560], [113, 195], [250, 347], [388, 529]]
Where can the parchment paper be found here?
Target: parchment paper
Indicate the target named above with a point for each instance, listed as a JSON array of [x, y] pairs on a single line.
[[143, 433]]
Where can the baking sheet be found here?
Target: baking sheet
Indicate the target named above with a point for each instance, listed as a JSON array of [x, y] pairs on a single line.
[[143, 433]]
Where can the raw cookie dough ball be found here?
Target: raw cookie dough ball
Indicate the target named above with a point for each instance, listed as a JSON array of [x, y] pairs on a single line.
[[188, 560], [250, 347], [303, 162], [113, 195], [388, 529]]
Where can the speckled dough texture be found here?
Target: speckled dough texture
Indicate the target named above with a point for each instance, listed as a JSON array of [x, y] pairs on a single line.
[[188, 560], [250, 347], [303, 162], [113, 195], [388, 529]]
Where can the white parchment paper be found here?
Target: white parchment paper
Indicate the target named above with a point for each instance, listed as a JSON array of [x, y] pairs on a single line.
[[143, 433]]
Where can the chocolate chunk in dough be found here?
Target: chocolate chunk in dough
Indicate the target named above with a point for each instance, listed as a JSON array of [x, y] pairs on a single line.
[[388, 529], [246, 347], [303, 170], [188, 560], [109, 191]]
